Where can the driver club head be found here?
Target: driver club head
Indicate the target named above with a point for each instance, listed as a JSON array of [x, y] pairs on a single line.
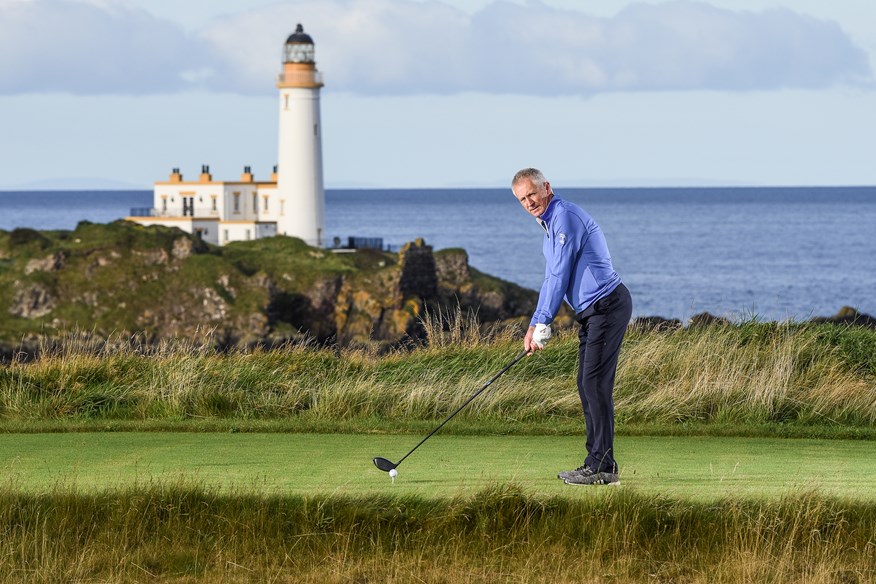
[[384, 464]]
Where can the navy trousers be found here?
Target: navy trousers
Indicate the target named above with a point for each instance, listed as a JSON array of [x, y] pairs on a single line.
[[603, 325]]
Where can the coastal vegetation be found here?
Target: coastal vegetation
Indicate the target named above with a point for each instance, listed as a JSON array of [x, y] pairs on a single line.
[[745, 379], [748, 378], [159, 283], [146, 331], [194, 533]]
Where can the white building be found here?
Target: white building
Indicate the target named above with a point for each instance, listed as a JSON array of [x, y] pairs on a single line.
[[291, 203]]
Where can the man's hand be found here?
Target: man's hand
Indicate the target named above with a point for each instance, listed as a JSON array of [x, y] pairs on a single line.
[[536, 337]]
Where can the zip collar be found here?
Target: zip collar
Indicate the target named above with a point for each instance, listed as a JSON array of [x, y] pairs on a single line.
[[545, 218]]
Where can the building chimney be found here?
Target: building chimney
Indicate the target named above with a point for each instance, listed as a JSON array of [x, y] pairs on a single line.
[[175, 176], [274, 174], [247, 175], [205, 173]]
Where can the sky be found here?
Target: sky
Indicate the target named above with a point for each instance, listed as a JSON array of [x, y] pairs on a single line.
[[452, 93]]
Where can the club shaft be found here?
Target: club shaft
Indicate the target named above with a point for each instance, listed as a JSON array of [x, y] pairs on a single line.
[[519, 356]]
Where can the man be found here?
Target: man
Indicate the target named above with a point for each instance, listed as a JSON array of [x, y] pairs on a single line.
[[579, 269]]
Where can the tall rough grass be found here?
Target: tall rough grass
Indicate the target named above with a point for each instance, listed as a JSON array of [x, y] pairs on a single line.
[[186, 533], [749, 373], [753, 372]]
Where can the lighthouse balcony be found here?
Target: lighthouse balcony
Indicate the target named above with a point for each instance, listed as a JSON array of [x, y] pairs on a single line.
[[153, 212], [300, 78]]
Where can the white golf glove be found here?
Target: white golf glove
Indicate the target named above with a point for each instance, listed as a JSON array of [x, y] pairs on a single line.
[[541, 335]]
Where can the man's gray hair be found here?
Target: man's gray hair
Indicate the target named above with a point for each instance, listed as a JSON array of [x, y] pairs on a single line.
[[532, 174]]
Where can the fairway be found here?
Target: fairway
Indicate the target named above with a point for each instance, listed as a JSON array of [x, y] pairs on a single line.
[[692, 467], [689, 467]]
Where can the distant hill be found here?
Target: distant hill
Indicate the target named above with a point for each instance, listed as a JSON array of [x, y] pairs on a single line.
[[77, 184]]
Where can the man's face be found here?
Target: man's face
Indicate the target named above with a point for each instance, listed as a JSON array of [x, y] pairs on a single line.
[[534, 197]]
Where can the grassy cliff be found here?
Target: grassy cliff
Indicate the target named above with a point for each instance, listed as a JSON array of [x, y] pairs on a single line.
[[157, 283]]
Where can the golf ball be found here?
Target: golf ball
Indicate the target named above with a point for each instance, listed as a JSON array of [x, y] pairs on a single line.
[[393, 473]]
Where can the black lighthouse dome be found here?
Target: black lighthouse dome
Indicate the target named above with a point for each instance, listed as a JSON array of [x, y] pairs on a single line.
[[299, 47], [299, 37]]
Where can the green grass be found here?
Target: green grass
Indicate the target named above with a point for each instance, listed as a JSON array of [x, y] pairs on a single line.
[[175, 463], [237, 507], [692, 468], [751, 376], [191, 532]]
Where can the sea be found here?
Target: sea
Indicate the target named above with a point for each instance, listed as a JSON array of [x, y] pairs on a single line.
[[767, 253]]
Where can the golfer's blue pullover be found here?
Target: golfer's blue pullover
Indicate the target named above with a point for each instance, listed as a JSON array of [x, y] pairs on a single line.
[[578, 263]]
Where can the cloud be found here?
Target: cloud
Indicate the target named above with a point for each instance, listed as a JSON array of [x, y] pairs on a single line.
[[398, 47], [92, 47], [687, 45], [366, 46]]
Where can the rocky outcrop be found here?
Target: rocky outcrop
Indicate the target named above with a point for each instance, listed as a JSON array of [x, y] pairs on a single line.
[[51, 263], [182, 248], [490, 298], [847, 315], [850, 316], [389, 303], [31, 301], [451, 267], [707, 319], [655, 323], [419, 276], [159, 283]]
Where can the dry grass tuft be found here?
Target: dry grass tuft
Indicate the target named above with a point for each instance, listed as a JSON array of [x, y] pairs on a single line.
[[742, 374]]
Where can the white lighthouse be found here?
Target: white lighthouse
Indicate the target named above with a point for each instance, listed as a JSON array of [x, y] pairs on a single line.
[[299, 156], [291, 202]]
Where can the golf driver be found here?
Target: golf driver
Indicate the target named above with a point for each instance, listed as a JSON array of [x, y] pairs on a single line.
[[389, 466]]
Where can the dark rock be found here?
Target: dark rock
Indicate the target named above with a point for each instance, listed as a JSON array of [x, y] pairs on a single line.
[[848, 315], [655, 323], [182, 248], [451, 266], [419, 276], [51, 263], [32, 301], [311, 311], [707, 319], [24, 236], [153, 257]]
